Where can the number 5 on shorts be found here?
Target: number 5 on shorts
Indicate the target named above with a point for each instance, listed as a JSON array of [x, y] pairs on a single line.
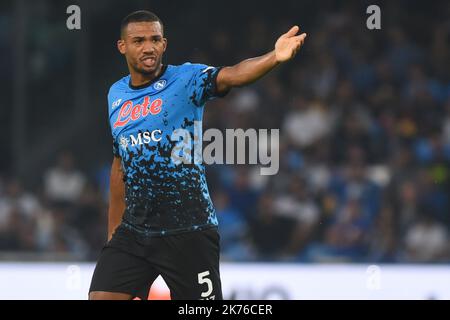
[[202, 278]]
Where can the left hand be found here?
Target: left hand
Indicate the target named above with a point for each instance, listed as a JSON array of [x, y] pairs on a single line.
[[288, 44]]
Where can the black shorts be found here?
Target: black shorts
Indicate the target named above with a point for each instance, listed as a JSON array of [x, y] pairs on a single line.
[[188, 263]]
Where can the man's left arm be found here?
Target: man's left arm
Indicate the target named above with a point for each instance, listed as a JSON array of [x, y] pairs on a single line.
[[252, 69]]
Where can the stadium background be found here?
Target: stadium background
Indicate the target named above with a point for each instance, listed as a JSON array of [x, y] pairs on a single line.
[[364, 119]]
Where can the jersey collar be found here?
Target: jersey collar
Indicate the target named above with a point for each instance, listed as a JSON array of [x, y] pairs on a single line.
[[145, 85]]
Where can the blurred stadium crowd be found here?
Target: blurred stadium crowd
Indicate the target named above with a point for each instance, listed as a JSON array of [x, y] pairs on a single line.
[[364, 119]]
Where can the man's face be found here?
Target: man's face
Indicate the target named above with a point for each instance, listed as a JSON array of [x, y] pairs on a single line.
[[143, 45]]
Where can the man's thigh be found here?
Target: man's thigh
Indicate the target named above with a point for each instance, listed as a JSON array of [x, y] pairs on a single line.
[[118, 271], [189, 264]]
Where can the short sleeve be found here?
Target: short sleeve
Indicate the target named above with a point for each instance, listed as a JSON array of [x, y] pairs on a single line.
[[202, 84]]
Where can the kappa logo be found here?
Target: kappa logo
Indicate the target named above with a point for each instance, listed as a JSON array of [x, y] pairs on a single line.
[[116, 103], [160, 84]]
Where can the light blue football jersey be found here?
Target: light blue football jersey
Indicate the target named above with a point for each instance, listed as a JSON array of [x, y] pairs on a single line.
[[162, 196]]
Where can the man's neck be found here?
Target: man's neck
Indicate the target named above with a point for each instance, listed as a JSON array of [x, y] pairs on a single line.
[[139, 79]]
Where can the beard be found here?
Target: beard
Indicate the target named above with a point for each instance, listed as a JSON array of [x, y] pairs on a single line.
[[139, 67]]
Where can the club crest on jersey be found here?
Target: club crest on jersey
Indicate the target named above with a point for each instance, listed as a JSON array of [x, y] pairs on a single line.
[[160, 84], [129, 112]]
